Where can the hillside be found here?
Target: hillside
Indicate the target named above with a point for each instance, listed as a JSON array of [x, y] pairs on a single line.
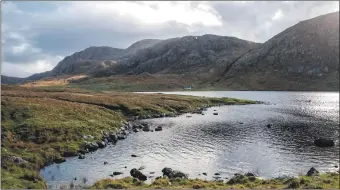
[[11, 80], [302, 57], [186, 55]]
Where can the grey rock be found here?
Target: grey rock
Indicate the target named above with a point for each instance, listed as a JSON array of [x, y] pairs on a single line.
[[322, 142], [312, 172]]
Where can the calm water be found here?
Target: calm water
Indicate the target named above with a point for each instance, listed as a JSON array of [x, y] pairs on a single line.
[[219, 143]]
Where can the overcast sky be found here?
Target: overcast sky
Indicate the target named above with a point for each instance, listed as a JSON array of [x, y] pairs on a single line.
[[37, 35]]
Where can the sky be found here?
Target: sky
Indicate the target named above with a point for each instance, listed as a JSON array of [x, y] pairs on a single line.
[[37, 35]]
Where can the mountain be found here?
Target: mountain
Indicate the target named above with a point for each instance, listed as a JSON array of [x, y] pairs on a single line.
[[142, 44], [11, 80], [302, 57], [186, 55]]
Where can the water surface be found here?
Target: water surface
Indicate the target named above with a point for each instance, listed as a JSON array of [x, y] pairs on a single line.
[[220, 143]]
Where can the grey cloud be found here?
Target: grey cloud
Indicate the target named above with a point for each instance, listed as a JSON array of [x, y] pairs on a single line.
[[55, 34], [250, 18]]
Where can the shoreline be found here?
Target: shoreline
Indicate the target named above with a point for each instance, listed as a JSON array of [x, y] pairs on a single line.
[[175, 179], [47, 139]]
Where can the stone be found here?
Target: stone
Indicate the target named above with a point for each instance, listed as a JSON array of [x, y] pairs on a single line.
[[312, 172], [321, 142]]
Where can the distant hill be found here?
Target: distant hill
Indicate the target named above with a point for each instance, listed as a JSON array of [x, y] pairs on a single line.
[[11, 80], [302, 57]]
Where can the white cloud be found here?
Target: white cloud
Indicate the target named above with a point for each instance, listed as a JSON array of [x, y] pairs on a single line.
[[11, 8], [147, 12], [278, 15], [28, 68], [20, 48]]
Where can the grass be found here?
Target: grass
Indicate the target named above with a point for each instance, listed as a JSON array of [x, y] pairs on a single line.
[[42, 125], [126, 83], [323, 181]]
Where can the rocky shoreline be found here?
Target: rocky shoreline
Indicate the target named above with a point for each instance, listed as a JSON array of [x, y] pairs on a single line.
[[313, 179], [132, 125]]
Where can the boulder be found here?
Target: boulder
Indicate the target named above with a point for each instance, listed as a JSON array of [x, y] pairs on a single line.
[[121, 137], [321, 142], [269, 126], [133, 155], [125, 132], [217, 174], [146, 128], [117, 173], [204, 173], [250, 175], [105, 162], [136, 130], [173, 173], [59, 160], [159, 128], [167, 171], [137, 174], [81, 156], [312, 172], [83, 151], [91, 146], [69, 154], [101, 144], [215, 113], [113, 137]]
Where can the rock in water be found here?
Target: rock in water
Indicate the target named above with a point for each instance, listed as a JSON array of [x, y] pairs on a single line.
[[215, 113], [81, 156], [136, 130], [324, 142], [117, 173], [101, 144], [312, 172], [173, 173], [250, 175], [137, 174], [133, 155], [159, 128], [146, 128]]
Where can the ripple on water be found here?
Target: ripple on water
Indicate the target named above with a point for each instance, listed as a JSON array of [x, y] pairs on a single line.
[[219, 143]]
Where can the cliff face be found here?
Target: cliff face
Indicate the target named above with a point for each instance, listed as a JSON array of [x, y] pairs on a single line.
[[302, 57]]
